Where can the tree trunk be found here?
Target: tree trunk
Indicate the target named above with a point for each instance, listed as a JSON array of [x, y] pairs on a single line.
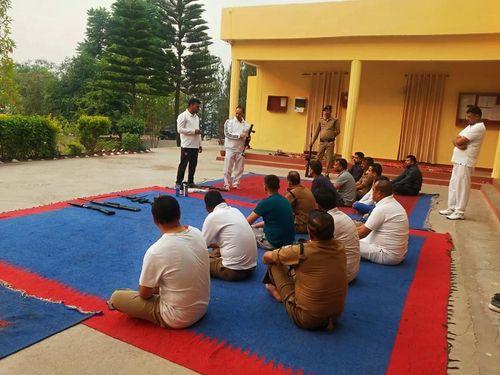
[[176, 111]]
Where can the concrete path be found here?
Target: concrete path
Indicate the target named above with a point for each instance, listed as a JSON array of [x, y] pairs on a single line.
[[82, 350]]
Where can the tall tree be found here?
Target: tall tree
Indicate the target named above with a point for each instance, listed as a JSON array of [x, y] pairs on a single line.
[[96, 35], [138, 55], [190, 45], [37, 83], [9, 95]]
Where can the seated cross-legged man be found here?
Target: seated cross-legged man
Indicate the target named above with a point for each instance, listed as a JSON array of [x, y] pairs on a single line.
[[277, 228], [366, 204], [314, 297], [356, 169], [227, 232], [384, 236], [345, 230], [345, 184], [174, 286], [319, 181], [410, 181], [301, 199], [366, 181]]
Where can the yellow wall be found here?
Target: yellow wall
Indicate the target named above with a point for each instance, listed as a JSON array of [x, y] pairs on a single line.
[[361, 18], [284, 131], [380, 110]]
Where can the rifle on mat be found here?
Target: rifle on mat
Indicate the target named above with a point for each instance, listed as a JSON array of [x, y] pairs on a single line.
[[136, 199], [117, 206], [89, 207], [248, 139]]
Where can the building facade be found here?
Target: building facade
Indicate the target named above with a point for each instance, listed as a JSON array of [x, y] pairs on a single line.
[[399, 74]]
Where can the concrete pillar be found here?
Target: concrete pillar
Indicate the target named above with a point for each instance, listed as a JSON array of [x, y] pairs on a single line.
[[235, 86], [496, 160], [352, 109]]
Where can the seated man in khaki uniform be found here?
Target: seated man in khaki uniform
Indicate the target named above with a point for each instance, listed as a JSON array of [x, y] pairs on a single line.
[[328, 129], [301, 199], [364, 185], [314, 297]]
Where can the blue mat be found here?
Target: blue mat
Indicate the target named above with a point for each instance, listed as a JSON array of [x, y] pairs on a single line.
[[96, 254], [27, 320]]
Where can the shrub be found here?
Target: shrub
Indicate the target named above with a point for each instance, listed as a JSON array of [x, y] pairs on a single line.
[[131, 125], [90, 128], [132, 142], [75, 148], [107, 144], [24, 137]]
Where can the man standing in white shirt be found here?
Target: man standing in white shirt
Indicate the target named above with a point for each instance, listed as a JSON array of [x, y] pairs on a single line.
[[227, 232], [467, 145], [174, 287], [235, 133], [345, 230], [384, 236], [188, 126]]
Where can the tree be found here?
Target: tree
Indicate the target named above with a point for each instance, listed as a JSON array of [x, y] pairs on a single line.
[[193, 64], [96, 35], [137, 58], [37, 83], [9, 96]]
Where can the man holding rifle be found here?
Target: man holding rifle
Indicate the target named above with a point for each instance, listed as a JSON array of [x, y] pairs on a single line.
[[236, 132], [328, 129]]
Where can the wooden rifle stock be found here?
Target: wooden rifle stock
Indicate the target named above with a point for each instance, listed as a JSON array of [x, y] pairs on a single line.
[[308, 158]]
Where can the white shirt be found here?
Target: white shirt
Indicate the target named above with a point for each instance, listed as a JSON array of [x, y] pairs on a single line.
[[187, 123], [227, 227], [179, 264], [367, 198], [346, 232], [389, 227], [233, 129], [475, 134]]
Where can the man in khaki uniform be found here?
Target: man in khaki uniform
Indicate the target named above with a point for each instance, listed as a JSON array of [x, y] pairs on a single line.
[[327, 130], [315, 296], [301, 199]]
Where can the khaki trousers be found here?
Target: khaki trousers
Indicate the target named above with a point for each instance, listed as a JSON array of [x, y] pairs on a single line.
[[132, 304], [218, 271], [328, 147], [285, 284]]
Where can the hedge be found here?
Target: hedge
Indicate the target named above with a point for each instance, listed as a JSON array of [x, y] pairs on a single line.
[[132, 142], [26, 137], [130, 125], [90, 128]]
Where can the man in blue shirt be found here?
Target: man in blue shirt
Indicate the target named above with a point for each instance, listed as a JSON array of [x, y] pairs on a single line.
[[277, 228]]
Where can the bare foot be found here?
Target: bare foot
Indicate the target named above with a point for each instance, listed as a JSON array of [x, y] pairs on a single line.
[[273, 291]]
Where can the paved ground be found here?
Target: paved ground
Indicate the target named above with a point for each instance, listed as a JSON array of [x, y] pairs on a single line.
[[82, 350]]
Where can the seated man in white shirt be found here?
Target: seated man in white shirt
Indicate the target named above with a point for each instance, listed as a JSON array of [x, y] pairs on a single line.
[[227, 232], [384, 236], [345, 229], [366, 204], [174, 286]]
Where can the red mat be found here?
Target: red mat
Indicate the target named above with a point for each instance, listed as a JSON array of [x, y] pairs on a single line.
[[420, 346], [252, 188]]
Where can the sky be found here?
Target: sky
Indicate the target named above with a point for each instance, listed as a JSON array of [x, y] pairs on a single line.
[[51, 29]]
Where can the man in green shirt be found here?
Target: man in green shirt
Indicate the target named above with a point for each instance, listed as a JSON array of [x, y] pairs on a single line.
[[277, 228]]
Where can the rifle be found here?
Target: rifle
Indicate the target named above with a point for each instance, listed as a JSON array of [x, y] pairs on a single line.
[[136, 199], [209, 187], [247, 140], [89, 207], [308, 158], [117, 206]]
